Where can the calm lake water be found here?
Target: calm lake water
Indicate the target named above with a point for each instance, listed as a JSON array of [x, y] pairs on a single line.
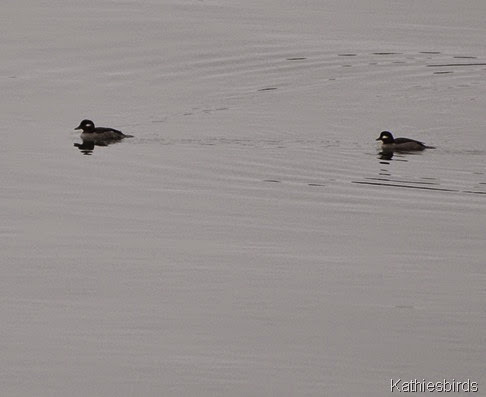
[[249, 240]]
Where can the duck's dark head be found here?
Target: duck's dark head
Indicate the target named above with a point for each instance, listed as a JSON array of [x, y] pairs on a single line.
[[86, 126], [386, 137]]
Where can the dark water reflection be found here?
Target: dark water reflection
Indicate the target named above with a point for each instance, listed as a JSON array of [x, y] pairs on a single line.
[[387, 155], [385, 177], [87, 146]]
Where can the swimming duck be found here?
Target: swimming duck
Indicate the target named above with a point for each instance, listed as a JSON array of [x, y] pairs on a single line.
[[389, 143], [90, 132]]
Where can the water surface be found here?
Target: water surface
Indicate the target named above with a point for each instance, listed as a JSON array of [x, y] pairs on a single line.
[[249, 240]]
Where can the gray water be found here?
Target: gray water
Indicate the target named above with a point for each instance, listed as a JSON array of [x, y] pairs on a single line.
[[249, 240]]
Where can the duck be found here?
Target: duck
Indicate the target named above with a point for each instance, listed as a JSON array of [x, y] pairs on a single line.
[[389, 143], [92, 133]]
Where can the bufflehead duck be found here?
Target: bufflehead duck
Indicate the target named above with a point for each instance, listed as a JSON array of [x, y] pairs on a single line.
[[90, 132], [389, 143]]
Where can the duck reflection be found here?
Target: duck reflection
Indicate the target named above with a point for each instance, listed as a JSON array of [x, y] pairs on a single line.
[[88, 145], [386, 155]]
